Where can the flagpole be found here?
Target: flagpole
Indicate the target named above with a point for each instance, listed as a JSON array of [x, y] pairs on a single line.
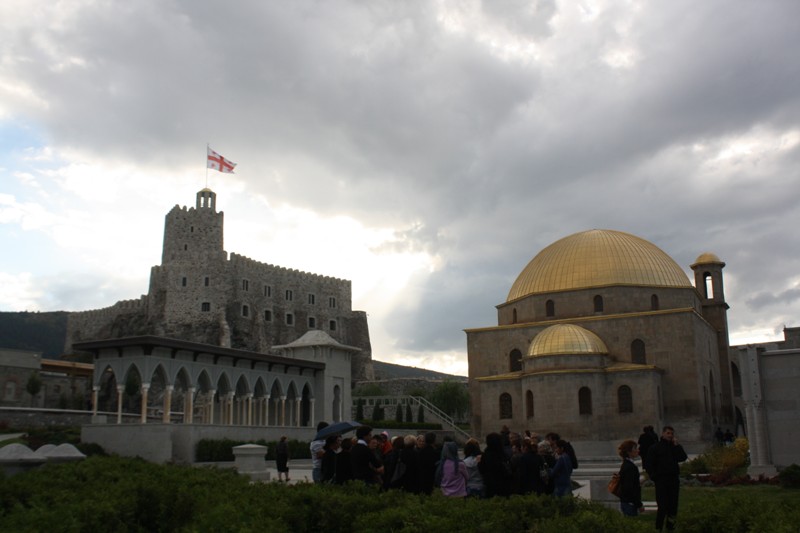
[[208, 146]]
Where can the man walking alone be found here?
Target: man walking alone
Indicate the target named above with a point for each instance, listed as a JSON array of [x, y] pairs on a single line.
[[663, 468]]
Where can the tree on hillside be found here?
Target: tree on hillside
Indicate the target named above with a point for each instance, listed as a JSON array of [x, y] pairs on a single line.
[[360, 409], [33, 386], [451, 397], [369, 389]]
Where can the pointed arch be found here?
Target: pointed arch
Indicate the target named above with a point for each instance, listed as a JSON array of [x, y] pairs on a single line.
[[305, 406]]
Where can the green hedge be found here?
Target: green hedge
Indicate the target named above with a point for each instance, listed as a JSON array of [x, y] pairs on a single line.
[[394, 424], [117, 494], [221, 450]]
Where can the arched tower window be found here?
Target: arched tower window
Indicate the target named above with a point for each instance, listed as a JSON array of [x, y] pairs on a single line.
[[598, 304], [737, 380], [550, 308], [506, 410], [514, 316], [529, 404], [654, 302], [585, 401], [514, 360], [625, 399], [638, 355], [708, 285]]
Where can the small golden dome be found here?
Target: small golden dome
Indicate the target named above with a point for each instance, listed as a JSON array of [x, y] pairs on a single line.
[[706, 258], [598, 258], [566, 339]]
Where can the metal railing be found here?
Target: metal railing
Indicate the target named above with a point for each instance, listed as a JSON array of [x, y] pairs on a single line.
[[430, 409], [441, 415]]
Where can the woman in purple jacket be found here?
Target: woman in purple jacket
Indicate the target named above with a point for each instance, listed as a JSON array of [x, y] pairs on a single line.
[[454, 471]]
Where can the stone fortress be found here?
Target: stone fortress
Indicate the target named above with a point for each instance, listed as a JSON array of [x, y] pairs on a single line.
[[199, 294]]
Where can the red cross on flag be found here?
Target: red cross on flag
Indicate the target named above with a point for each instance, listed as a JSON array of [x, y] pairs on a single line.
[[217, 162]]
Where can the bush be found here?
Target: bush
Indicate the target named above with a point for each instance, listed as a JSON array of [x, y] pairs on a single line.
[[722, 462], [221, 450], [393, 424], [789, 477], [104, 494]]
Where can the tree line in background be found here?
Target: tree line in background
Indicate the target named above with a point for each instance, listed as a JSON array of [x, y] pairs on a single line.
[[449, 396]]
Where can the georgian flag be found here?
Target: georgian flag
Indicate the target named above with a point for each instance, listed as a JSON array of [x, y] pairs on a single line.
[[217, 162]]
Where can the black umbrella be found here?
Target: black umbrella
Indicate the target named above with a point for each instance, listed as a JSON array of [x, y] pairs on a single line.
[[338, 427]]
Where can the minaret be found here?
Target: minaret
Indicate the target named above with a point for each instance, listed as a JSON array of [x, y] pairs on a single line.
[[708, 282]]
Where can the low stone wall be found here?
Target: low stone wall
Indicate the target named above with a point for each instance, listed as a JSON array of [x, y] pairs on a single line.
[[20, 417], [176, 443]]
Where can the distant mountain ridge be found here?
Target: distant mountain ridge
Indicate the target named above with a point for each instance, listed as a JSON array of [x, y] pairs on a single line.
[[33, 331], [385, 370]]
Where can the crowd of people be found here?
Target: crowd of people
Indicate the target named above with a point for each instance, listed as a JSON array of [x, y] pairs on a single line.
[[509, 463]]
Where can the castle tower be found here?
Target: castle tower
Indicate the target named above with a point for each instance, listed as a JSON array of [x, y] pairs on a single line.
[[708, 282], [195, 231], [190, 287]]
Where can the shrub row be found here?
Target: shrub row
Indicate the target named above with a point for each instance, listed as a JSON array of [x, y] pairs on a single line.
[[394, 424], [221, 450], [118, 494]]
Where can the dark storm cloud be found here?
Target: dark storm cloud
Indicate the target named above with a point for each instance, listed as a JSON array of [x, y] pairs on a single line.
[[478, 155]]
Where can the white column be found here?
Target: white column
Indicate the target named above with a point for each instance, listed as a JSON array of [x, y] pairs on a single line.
[[298, 411], [95, 389], [211, 395], [311, 422], [230, 408], [167, 404], [145, 389], [266, 410], [120, 392], [283, 410], [188, 410], [249, 401]]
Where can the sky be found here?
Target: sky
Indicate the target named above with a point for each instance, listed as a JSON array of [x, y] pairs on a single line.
[[425, 150]]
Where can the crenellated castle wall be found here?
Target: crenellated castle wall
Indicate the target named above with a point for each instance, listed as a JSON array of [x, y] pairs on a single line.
[[200, 294]]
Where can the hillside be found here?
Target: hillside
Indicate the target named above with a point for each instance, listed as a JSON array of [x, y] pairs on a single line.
[[392, 371], [36, 332]]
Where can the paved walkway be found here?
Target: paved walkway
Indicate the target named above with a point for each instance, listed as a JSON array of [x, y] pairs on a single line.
[[10, 436]]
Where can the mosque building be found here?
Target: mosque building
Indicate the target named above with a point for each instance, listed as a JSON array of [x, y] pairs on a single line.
[[601, 334]]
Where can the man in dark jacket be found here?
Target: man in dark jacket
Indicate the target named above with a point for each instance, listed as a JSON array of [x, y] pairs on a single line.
[[647, 439], [365, 464], [663, 468]]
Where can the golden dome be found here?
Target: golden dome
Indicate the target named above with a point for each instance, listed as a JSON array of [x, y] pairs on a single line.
[[598, 258], [566, 339], [706, 258]]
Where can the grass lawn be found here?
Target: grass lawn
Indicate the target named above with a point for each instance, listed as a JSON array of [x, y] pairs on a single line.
[[726, 500]]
